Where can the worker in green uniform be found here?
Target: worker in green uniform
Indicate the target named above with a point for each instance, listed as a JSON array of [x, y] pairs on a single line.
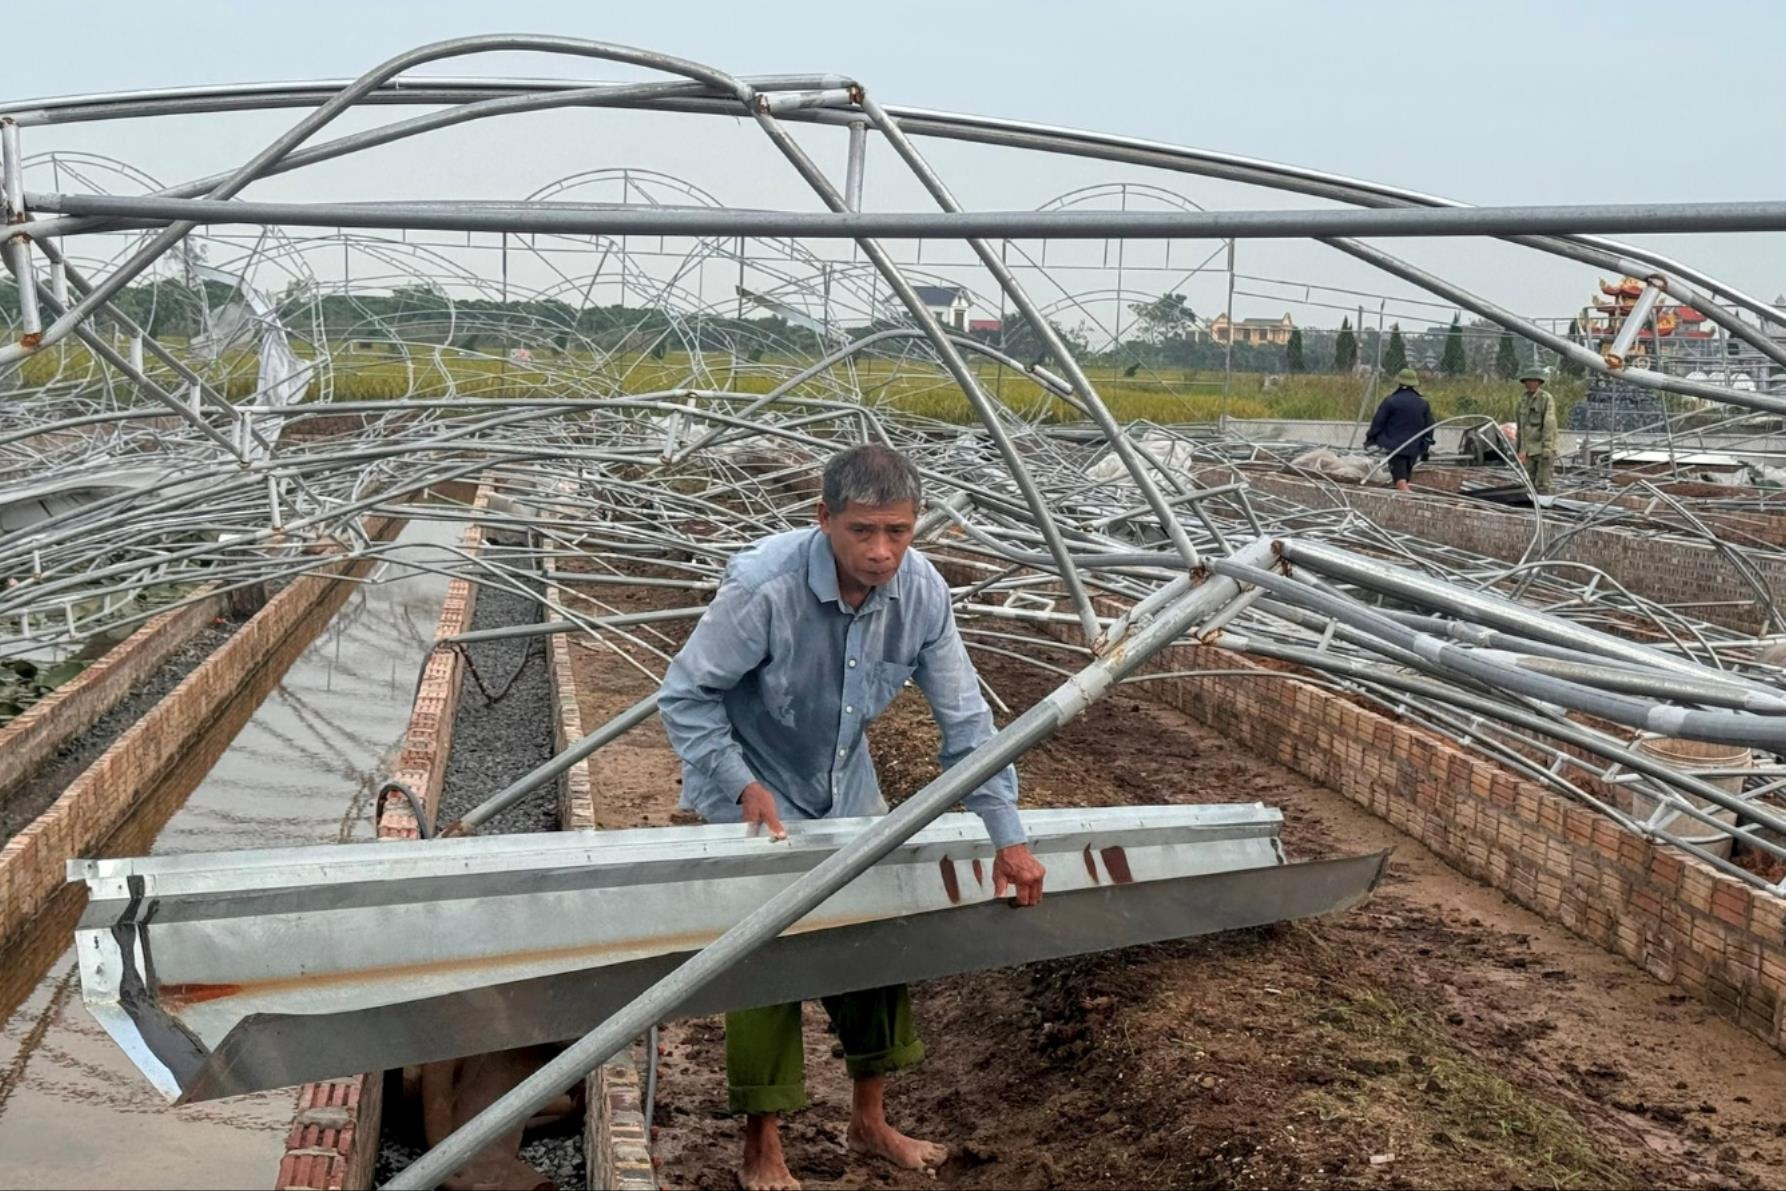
[[1537, 423]]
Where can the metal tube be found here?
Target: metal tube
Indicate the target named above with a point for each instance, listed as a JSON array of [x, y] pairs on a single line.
[[1043, 330], [957, 367], [803, 896], [17, 244], [12, 171], [841, 224], [858, 156], [1560, 728], [328, 111], [1755, 731], [1675, 687], [1545, 339], [1481, 606], [1591, 250], [1628, 330]]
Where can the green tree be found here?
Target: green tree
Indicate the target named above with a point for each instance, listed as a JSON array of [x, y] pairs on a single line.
[[1455, 361], [1395, 355], [1506, 357], [1293, 361], [1345, 348], [1022, 341], [1566, 365], [1165, 318]]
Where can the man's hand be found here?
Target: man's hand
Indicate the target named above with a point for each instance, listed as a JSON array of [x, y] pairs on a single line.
[[1018, 868], [759, 809], [1522, 457]]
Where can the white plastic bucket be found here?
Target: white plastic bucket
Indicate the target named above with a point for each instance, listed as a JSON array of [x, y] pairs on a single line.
[[1689, 756]]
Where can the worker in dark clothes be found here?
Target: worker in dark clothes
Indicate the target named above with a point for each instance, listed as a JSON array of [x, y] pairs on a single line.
[[1403, 426]]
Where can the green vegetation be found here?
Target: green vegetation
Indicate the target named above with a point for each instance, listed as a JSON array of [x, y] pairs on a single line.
[[1488, 1121], [1395, 356], [1293, 357], [1345, 348], [1565, 365], [1133, 390], [1506, 357], [1455, 361], [24, 682], [417, 343]]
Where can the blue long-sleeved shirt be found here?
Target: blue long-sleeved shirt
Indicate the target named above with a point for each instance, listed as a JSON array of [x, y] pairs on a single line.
[[781, 677]]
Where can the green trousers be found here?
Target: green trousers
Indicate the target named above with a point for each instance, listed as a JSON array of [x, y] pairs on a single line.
[[766, 1057], [1540, 468]]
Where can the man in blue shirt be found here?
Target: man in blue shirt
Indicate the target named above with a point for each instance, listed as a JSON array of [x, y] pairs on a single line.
[[811, 635], [1403, 426]]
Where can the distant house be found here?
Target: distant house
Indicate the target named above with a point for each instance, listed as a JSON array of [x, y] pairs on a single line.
[[947, 303], [1257, 331]]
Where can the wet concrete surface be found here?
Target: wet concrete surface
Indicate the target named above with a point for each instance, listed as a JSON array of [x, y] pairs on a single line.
[[294, 760]]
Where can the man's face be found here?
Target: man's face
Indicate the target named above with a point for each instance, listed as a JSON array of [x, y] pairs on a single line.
[[1532, 386], [869, 541]]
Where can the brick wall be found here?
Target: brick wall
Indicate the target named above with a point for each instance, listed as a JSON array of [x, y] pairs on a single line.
[[333, 1144], [1688, 924], [1657, 569], [33, 738], [421, 765], [33, 864]]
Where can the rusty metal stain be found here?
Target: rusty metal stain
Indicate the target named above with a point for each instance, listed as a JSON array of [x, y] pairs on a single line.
[[951, 883], [1091, 866], [979, 873], [1117, 861], [178, 996]]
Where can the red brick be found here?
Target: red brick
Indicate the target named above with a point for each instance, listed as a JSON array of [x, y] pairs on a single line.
[[1696, 889], [1730, 903]]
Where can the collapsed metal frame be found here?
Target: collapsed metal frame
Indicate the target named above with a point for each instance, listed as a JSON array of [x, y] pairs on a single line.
[[682, 477]]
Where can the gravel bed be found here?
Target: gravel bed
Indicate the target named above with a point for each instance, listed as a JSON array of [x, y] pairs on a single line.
[[35, 795], [495, 742], [558, 1153], [42, 788]]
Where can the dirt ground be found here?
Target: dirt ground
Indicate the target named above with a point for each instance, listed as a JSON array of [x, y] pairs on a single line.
[[1437, 1036]]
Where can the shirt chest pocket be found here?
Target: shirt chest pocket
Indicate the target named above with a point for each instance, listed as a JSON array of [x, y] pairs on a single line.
[[885, 679]]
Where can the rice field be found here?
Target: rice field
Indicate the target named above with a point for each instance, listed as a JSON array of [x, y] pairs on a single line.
[[921, 390]]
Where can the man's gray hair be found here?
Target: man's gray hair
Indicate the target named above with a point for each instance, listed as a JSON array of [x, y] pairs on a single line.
[[871, 475]]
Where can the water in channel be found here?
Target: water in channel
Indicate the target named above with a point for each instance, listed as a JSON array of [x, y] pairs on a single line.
[[295, 759]]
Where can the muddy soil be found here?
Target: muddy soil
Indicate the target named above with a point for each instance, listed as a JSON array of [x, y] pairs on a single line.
[[1437, 1036]]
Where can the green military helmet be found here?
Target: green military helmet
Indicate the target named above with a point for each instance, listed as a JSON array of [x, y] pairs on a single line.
[[1407, 376], [1541, 375]]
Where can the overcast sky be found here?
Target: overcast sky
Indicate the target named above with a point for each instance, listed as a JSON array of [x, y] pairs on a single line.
[[1509, 102]]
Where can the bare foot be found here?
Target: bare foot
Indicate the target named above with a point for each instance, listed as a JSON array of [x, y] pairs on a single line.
[[907, 1153], [765, 1168]]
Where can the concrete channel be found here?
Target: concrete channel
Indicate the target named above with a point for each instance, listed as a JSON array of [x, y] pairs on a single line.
[[502, 728], [295, 758]]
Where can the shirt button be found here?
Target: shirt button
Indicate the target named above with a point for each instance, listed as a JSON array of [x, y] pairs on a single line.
[[848, 710], [841, 752], [852, 663]]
